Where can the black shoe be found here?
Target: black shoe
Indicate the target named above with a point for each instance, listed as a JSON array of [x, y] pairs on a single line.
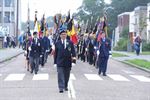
[[35, 72], [99, 73], [61, 91], [27, 69], [66, 89], [31, 71], [104, 74]]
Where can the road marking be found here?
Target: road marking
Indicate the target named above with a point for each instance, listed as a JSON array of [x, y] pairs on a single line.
[[72, 77], [141, 78], [71, 91], [40, 77], [14, 77], [117, 77], [128, 72], [93, 77]]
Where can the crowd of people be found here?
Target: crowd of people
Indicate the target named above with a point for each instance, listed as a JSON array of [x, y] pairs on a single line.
[[9, 41]]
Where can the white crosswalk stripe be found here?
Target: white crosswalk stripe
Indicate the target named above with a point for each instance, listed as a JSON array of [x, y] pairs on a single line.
[[141, 78], [40, 77], [118, 77], [93, 77], [90, 77], [72, 77], [14, 77]]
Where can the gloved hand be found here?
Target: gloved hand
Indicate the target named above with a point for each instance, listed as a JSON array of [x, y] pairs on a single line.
[[73, 64], [55, 65], [41, 55], [29, 48]]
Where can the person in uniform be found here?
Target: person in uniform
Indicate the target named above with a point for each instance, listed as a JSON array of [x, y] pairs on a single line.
[[91, 49], [35, 53], [64, 56], [104, 48]]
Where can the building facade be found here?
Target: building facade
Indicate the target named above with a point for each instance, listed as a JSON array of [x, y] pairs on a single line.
[[123, 21], [141, 21], [148, 22], [9, 17]]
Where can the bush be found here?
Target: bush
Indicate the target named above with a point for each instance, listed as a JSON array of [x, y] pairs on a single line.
[[121, 45], [145, 46]]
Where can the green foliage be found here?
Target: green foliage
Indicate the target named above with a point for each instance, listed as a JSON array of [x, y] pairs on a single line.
[[145, 46], [141, 63], [118, 55], [121, 45], [91, 10]]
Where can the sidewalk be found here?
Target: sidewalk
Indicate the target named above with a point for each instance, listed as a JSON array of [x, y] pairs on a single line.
[[130, 56], [8, 53]]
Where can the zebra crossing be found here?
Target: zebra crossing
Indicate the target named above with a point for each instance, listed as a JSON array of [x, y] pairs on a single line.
[[89, 77]]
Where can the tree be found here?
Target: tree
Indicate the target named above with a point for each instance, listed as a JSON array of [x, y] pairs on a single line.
[[91, 10]]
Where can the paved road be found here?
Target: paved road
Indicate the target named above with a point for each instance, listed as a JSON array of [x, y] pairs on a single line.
[[122, 83]]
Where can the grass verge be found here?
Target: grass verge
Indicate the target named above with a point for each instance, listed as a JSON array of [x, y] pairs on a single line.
[[118, 55], [141, 63]]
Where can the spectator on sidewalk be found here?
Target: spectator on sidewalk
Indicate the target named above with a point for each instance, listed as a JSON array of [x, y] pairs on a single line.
[[137, 44]]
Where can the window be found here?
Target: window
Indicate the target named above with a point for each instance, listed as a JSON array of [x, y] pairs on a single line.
[[1, 3], [12, 17], [149, 16], [7, 17], [136, 21], [9, 3], [0, 17]]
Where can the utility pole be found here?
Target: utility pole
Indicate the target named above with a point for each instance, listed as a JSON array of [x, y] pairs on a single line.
[[2, 13], [17, 21]]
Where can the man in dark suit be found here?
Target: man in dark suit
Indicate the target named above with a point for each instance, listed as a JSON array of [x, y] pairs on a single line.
[[64, 55], [104, 48], [35, 52]]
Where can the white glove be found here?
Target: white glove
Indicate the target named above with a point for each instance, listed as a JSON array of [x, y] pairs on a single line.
[[38, 44], [73, 64], [25, 52], [47, 50], [29, 48], [53, 47], [110, 56], [98, 52], [55, 65], [40, 55], [86, 49]]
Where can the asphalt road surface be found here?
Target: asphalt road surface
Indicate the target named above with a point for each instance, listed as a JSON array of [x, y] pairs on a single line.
[[122, 82]]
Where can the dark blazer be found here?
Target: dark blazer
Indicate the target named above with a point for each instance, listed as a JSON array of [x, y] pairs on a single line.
[[105, 47], [35, 48], [63, 57]]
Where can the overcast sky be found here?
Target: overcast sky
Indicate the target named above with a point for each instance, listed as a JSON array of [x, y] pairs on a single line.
[[49, 7]]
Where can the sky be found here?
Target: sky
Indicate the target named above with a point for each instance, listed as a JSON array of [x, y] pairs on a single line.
[[49, 7]]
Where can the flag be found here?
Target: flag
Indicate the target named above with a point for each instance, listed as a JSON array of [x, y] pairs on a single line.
[[73, 36]]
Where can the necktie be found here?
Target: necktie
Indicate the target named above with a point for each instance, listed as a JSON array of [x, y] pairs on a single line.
[[64, 44]]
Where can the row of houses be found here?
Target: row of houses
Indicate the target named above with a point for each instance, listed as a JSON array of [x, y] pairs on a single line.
[[138, 23]]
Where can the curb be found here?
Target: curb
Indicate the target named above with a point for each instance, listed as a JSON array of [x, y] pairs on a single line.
[[133, 65], [9, 58]]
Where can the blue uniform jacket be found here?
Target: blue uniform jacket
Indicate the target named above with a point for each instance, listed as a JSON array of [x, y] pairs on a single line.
[[105, 47], [63, 57], [35, 49]]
